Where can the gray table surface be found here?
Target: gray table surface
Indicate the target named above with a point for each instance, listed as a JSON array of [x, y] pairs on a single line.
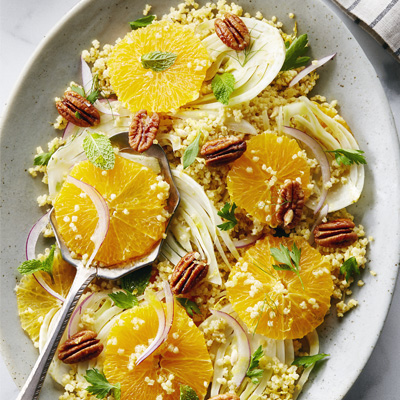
[[23, 25]]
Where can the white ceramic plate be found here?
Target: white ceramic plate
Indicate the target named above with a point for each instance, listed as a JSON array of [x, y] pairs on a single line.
[[349, 78]]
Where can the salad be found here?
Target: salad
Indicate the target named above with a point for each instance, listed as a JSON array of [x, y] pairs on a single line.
[[261, 247]]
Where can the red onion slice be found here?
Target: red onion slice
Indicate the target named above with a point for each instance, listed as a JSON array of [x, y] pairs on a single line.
[[104, 107], [319, 155], [244, 349], [87, 77], [310, 68], [169, 301], [247, 241], [74, 321], [322, 214], [69, 130], [103, 212], [47, 288]]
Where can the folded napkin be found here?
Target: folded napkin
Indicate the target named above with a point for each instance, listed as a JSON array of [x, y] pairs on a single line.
[[381, 18]]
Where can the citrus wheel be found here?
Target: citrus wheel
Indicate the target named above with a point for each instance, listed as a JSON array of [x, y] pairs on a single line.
[[182, 359], [34, 303], [136, 200], [278, 304], [161, 91], [255, 178]]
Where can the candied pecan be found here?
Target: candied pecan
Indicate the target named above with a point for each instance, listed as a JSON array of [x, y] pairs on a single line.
[[232, 31], [80, 347], [226, 396], [78, 110], [290, 204], [143, 130], [188, 273], [337, 233], [223, 150]]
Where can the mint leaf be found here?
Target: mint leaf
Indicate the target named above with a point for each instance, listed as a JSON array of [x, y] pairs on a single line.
[[99, 151], [100, 387], [142, 22], [43, 158], [187, 393], [124, 299], [191, 152], [348, 157], [137, 281], [295, 53], [228, 213], [32, 266], [79, 90], [189, 305], [350, 268], [253, 372], [307, 361], [222, 86], [158, 61]]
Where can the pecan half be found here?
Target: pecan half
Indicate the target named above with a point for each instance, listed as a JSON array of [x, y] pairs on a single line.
[[188, 273], [337, 233], [78, 110], [223, 150], [143, 130], [80, 347], [226, 396], [290, 204], [232, 31]]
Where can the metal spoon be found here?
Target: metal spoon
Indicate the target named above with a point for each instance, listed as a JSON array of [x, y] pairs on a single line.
[[85, 274]]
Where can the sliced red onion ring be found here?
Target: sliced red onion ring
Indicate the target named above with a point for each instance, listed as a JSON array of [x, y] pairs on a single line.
[[169, 301], [103, 212], [104, 107], [87, 77], [74, 321], [244, 349], [47, 288], [69, 130], [247, 241], [319, 155], [322, 214], [310, 68]]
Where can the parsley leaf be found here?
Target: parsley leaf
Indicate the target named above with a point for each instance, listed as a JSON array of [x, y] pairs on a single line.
[[253, 372], [95, 90], [99, 150], [222, 86], [100, 387], [158, 61], [124, 299], [142, 22], [290, 260], [78, 115], [228, 213], [295, 52], [32, 266], [187, 393], [190, 306], [348, 157], [137, 280], [43, 158], [79, 90], [191, 152], [307, 361], [350, 268]]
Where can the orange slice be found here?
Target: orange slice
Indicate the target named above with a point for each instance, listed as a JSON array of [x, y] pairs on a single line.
[[274, 303], [136, 200], [163, 91], [182, 359], [255, 178]]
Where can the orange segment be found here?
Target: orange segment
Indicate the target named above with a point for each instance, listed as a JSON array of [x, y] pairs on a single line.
[[182, 359], [141, 88], [135, 199], [255, 178], [34, 302], [274, 303]]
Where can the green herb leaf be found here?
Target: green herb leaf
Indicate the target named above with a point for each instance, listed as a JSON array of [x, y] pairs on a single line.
[[191, 152], [348, 157], [228, 213], [79, 90], [190, 306], [43, 158], [95, 90], [32, 266], [295, 52], [124, 299], [307, 361], [99, 151], [158, 61], [222, 86], [100, 387], [142, 22], [253, 372], [78, 115], [187, 393], [350, 268], [137, 281]]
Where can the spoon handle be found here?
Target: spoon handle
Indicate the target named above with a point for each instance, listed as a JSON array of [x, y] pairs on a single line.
[[33, 385]]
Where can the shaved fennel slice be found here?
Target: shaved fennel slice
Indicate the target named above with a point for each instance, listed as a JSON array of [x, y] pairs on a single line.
[[170, 254], [289, 351], [331, 135], [175, 246]]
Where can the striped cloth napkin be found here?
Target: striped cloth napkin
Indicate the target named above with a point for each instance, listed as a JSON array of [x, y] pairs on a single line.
[[381, 18]]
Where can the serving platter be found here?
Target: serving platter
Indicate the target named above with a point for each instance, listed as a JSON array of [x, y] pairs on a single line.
[[350, 79]]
